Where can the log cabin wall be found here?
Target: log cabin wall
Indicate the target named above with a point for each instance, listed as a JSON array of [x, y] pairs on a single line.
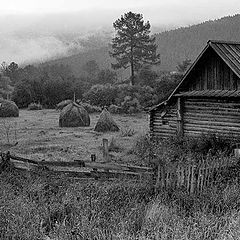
[[163, 121], [211, 73], [211, 115]]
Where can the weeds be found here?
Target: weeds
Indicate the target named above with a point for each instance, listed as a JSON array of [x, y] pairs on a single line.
[[114, 146], [9, 130], [127, 132], [40, 205]]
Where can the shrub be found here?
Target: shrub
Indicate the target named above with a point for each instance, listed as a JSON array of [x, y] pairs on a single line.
[[129, 99], [90, 108], [127, 132], [130, 105], [101, 95], [34, 106], [115, 109]]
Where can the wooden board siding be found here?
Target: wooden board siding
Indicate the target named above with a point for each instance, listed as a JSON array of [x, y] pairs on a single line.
[[163, 122], [211, 72], [211, 115]]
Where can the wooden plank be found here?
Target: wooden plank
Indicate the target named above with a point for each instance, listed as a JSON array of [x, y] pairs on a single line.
[[192, 187], [180, 116], [87, 164], [106, 156]]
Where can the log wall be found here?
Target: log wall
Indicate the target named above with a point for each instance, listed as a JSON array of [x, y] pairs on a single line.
[[163, 121], [200, 116]]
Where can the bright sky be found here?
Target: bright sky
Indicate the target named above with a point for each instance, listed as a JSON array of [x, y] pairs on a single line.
[[165, 7]]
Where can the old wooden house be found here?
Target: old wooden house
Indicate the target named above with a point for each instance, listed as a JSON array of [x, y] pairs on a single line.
[[207, 100]]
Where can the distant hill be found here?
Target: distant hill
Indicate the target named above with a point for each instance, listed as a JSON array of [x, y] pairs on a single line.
[[174, 46]]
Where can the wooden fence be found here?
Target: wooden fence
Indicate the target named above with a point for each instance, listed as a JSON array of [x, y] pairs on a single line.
[[192, 177], [76, 168]]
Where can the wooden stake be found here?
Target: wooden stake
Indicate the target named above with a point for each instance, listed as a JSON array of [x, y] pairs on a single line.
[[106, 156]]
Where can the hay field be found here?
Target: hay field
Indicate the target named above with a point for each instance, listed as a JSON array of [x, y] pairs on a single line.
[[39, 137]]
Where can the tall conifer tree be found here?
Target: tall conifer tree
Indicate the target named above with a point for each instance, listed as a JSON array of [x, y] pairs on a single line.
[[132, 46]]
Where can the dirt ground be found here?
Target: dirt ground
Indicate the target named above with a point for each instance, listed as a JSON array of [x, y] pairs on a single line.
[[40, 138]]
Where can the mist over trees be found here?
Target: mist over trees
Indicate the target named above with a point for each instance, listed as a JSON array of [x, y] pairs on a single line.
[[96, 83]]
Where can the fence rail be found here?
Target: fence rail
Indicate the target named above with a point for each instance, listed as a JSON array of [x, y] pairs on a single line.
[[193, 177], [77, 168]]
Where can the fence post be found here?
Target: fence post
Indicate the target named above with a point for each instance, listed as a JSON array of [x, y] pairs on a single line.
[[106, 156], [157, 185], [192, 187]]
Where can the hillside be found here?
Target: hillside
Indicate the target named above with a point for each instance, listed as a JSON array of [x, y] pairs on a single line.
[[174, 46]]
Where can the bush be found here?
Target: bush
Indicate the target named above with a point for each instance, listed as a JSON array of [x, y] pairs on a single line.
[[127, 132], [34, 106], [121, 98], [115, 109], [91, 109], [101, 95]]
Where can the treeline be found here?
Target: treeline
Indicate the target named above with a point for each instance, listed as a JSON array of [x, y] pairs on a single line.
[[187, 42], [50, 84]]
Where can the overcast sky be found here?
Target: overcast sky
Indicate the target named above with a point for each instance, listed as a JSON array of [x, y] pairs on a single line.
[[40, 29]]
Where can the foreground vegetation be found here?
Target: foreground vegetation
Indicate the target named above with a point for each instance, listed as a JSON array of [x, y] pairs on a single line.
[[34, 206], [42, 206]]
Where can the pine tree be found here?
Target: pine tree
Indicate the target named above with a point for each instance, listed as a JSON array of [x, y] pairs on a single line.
[[132, 46]]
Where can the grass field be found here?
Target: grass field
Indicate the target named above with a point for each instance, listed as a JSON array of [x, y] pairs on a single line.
[[39, 137], [42, 206]]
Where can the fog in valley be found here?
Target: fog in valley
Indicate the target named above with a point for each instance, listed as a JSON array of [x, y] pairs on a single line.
[[35, 31]]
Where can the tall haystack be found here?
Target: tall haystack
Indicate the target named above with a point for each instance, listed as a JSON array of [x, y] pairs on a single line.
[[74, 115], [106, 123], [63, 104], [8, 108]]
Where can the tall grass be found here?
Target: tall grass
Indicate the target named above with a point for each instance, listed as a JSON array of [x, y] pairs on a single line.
[[40, 205], [36, 206]]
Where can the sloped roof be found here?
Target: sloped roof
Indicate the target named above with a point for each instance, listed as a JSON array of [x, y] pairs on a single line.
[[228, 51], [210, 93]]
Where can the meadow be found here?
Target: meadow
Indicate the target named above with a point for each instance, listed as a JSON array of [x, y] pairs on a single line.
[[39, 137], [42, 206]]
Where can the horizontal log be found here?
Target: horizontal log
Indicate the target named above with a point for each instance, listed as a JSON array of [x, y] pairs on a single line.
[[209, 116], [216, 124], [213, 125], [212, 129], [196, 133], [165, 126], [162, 130], [80, 163], [208, 103], [211, 100], [203, 108]]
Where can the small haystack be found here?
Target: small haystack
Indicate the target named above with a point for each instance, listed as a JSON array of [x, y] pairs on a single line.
[[74, 115], [106, 123], [63, 104], [8, 109]]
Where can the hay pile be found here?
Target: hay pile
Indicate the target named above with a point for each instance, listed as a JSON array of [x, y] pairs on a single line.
[[74, 115], [106, 123], [8, 109], [63, 104]]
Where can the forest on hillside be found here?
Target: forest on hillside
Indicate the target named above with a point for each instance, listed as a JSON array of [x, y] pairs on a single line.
[[174, 46]]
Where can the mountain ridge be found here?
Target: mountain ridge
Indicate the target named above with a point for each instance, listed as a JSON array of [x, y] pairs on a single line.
[[174, 45]]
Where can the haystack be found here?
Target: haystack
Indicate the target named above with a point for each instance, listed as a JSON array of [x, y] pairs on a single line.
[[74, 115], [8, 109], [106, 123], [63, 104]]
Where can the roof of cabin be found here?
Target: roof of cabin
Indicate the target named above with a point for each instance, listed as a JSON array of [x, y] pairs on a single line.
[[229, 52], [210, 93]]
